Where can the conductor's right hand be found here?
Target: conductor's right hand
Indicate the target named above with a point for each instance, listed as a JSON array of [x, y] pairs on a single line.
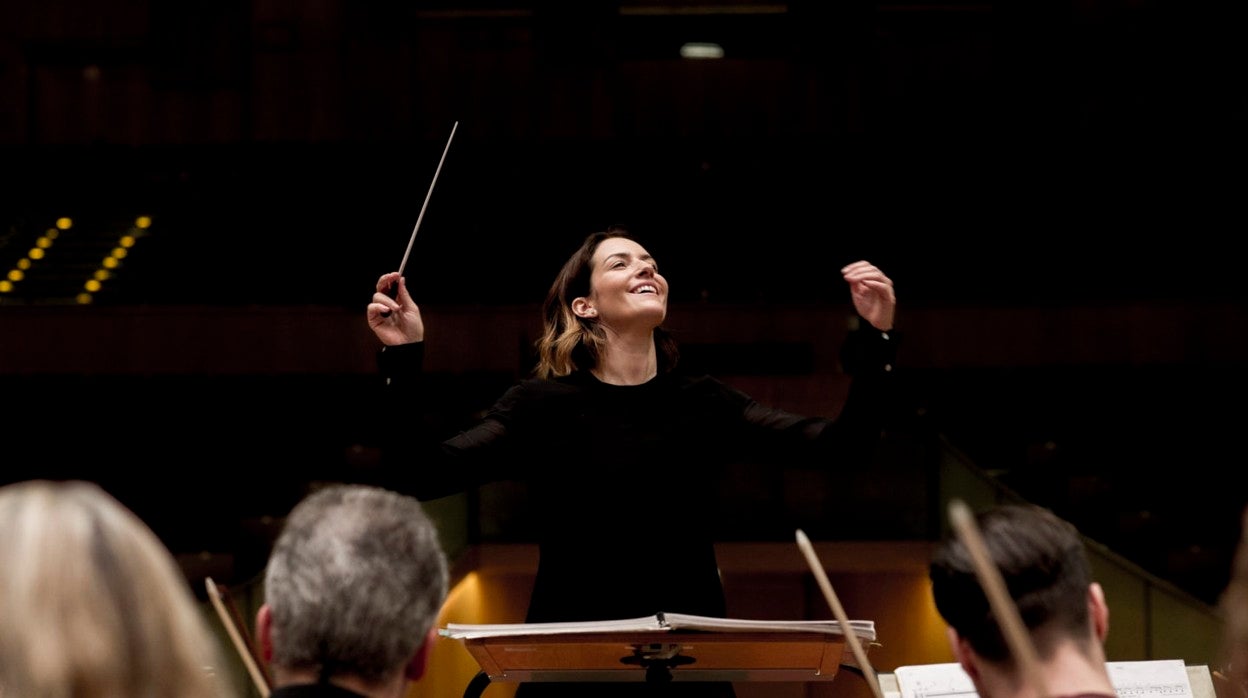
[[395, 320]]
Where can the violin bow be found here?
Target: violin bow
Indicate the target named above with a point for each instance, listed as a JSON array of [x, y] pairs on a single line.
[[235, 627], [1003, 606], [846, 629]]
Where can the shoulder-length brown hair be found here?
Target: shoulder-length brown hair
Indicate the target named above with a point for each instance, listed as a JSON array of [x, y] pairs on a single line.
[[570, 343]]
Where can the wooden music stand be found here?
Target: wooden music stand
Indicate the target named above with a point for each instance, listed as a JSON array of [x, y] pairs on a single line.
[[657, 656]]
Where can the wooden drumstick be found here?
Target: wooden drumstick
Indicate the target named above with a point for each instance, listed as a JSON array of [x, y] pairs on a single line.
[[243, 647], [850, 636], [999, 599]]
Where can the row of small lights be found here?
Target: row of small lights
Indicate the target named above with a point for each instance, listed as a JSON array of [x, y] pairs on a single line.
[[100, 275]]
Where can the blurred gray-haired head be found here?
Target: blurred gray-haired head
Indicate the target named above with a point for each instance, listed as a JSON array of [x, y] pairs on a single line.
[[354, 582]]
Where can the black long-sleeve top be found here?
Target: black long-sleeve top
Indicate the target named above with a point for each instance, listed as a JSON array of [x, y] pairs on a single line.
[[623, 478]]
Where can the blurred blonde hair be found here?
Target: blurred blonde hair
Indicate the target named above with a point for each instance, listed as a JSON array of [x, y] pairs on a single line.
[[93, 604]]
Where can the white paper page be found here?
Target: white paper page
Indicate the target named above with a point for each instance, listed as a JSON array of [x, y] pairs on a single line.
[[934, 680], [468, 631], [1160, 678], [864, 629]]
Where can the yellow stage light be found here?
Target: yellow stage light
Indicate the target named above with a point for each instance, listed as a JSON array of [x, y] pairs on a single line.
[[92, 285], [44, 241], [35, 253], [109, 263], [23, 263], [102, 275], [64, 223], [16, 275], [84, 298], [144, 222], [127, 241], [5, 286], [119, 252]]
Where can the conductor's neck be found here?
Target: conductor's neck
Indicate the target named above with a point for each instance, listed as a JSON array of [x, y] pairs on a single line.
[[627, 360]]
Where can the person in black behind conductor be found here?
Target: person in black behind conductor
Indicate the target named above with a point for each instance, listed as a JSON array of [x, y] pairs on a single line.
[[616, 444]]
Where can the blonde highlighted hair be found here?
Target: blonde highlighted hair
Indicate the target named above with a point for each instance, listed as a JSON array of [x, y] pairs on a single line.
[[93, 604]]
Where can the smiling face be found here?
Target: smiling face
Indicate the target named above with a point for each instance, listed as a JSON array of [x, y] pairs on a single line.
[[627, 290]]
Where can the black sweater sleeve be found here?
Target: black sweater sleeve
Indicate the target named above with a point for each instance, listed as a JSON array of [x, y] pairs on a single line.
[[416, 456]]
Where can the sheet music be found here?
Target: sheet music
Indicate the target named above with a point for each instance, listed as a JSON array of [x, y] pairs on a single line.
[[661, 622], [1160, 678], [934, 681]]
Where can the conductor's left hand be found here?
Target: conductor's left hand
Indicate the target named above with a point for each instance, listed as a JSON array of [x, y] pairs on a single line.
[[873, 294]]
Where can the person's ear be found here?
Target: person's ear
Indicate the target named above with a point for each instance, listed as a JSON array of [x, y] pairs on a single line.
[[962, 652], [1098, 610], [583, 308], [264, 632], [419, 662]]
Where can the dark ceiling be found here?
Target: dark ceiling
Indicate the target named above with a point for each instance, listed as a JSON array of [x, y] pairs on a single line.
[[1026, 152]]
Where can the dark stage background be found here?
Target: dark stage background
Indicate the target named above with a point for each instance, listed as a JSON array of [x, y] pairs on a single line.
[[1069, 176]]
